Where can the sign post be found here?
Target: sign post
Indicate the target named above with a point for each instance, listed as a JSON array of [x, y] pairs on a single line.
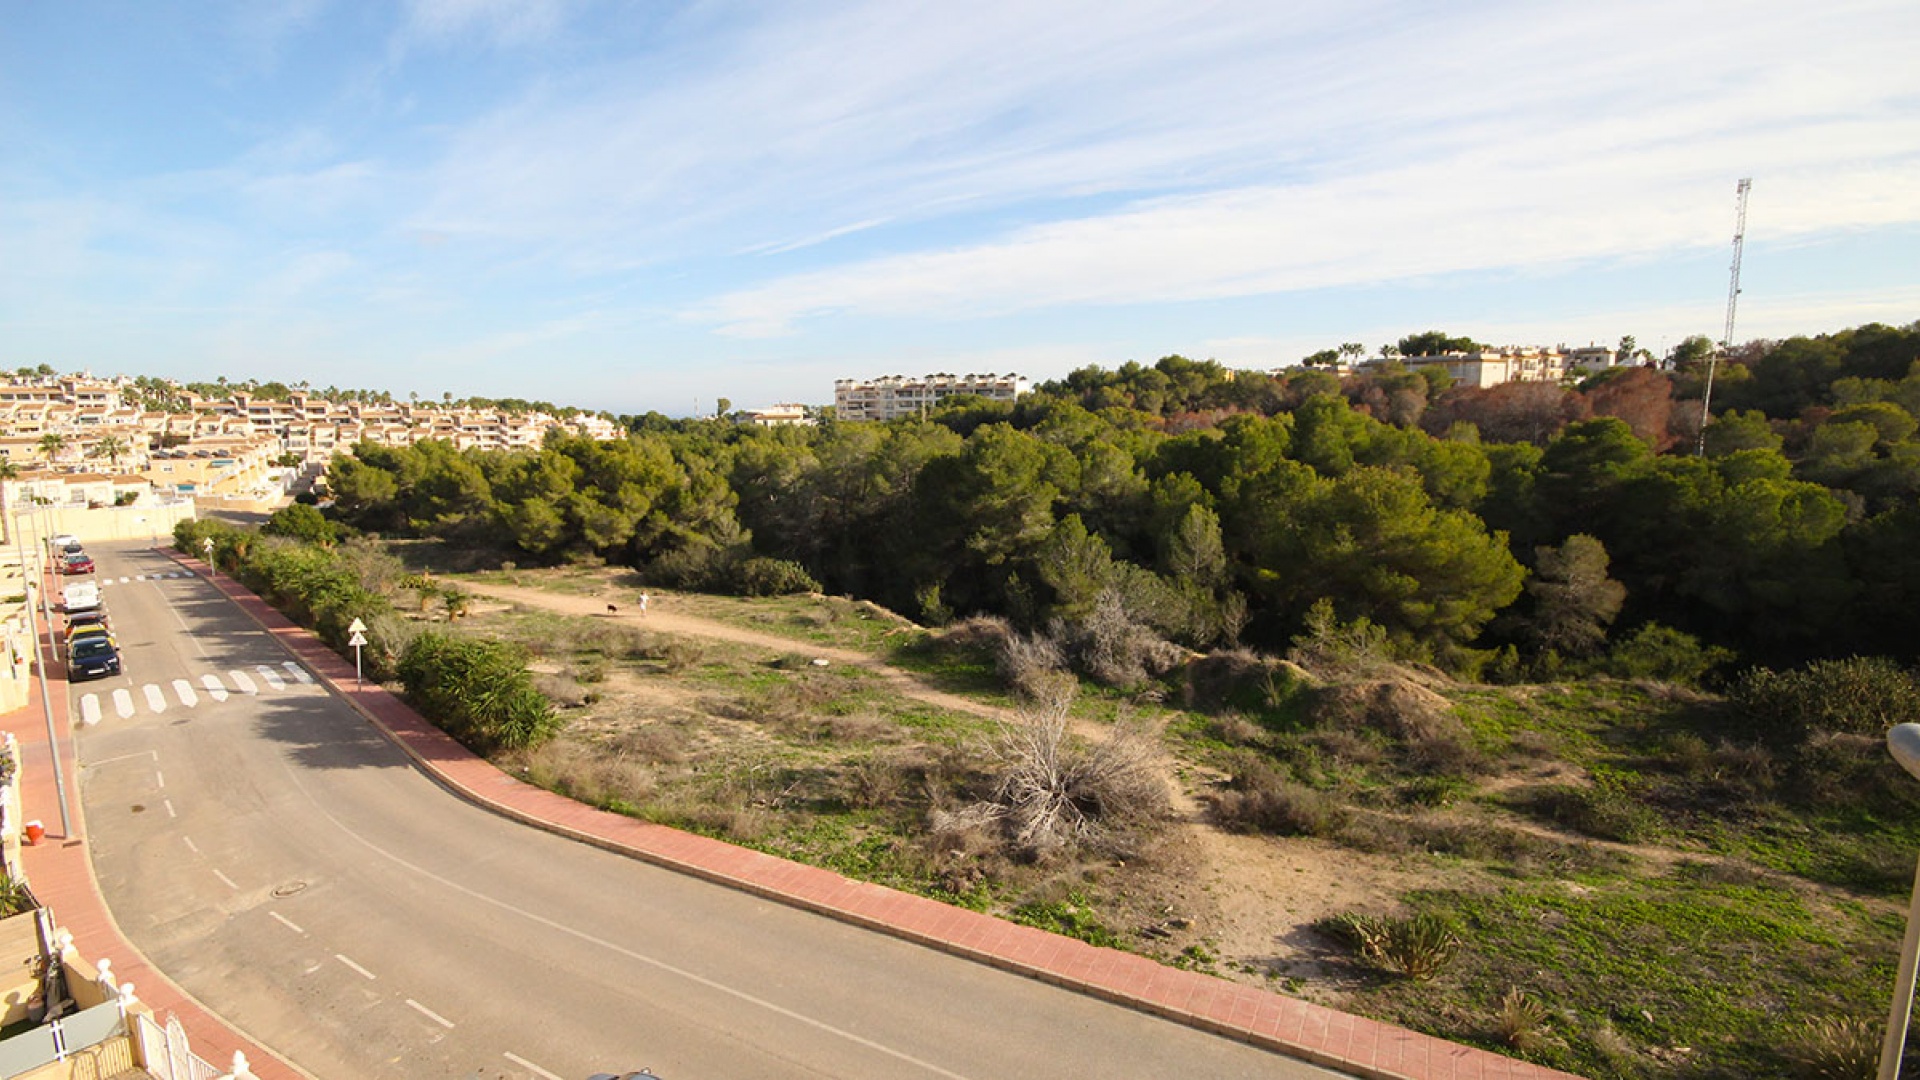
[[206, 545], [358, 637]]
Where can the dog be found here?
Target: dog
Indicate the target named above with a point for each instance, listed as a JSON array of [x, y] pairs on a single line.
[[611, 610]]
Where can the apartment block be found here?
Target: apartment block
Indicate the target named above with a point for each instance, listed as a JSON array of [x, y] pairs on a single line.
[[893, 396]]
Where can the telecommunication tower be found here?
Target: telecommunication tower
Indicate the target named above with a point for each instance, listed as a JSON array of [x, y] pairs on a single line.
[[1733, 301]]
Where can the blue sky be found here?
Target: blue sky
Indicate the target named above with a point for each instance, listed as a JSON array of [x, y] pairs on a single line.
[[654, 205]]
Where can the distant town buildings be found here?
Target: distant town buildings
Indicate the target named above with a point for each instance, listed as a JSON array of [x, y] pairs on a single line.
[[893, 396], [1492, 366], [80, 442], [783, 415]]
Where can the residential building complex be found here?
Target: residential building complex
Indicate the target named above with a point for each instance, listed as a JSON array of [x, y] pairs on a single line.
[[894, 396], [1492, 366]]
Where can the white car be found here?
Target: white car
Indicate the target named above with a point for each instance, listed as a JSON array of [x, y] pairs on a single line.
[[80, 596]]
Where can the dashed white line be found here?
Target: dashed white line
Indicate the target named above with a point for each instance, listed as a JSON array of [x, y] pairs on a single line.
[[168, 803], [244, 684], [353, 965], [90, 709], [297, 672], [159, 779], [214, 689], [156, 700], [226, 880], [191, 846], [183, 690], [431, 1015], [531, 1067], [123, 703], [138, 577], [273, 677], [284, 921]]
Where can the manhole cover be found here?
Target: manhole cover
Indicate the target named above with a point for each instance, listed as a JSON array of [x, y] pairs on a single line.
[[291, 887]]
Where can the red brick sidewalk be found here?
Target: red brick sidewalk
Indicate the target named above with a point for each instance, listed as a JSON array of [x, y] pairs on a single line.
[[1347, 1043]]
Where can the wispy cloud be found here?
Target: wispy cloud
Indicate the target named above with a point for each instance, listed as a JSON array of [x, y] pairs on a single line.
[[501, 22]]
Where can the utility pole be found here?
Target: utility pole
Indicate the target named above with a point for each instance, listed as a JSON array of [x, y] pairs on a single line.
[[1733, 301]]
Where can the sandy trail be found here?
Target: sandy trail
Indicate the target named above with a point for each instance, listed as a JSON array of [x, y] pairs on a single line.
[[672, 622]]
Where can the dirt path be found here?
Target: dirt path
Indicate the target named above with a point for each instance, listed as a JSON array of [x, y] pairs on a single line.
[[671, 622]]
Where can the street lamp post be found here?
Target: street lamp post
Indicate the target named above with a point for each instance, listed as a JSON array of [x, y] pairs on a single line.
[[1904, 743]]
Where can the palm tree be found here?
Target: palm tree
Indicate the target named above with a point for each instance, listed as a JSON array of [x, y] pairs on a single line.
[[109, 447], [51, 444]]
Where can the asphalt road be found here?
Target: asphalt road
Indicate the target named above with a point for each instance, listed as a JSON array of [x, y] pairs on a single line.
[[286, 865]]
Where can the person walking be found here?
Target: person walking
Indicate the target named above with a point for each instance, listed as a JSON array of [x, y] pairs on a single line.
[[643, 605]]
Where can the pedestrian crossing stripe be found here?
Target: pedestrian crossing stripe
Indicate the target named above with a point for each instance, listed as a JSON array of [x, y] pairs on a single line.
[[154, 695], [103, 582]]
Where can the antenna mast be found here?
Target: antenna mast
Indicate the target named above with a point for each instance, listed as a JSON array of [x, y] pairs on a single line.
[[1733, 301]]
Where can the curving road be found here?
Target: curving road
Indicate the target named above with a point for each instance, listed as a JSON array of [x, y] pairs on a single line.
[[285, 864]]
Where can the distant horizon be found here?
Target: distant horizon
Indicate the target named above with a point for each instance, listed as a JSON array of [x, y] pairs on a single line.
[[435, 397], [648, 208]]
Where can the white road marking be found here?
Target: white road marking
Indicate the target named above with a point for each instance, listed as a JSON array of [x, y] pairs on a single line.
[[191, 846], [214, 689], [273, 677], [123, 703], [150, 755], [159, 779], [183, 690], [90, 709], [156, 700], [298, 672], [354, 966], [431, 1015], [743, 996], [242, 683], [123, 581], [139, 577], [168, 803], [531, 1067], [227, 880], [284, 922]]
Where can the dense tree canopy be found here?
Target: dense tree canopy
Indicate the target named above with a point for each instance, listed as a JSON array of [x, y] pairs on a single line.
[[1200, 500]]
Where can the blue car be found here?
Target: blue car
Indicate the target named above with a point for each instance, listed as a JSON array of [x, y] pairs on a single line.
[[93, 657]]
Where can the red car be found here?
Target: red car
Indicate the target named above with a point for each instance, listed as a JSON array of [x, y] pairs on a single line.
[[77, 563]]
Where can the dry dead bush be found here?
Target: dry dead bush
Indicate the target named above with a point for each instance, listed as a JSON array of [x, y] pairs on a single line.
[[1031, 665], [563, 690], [985, 635], [1240, 679], [1114, 649], [1259, 799], [1234, 730], [1421, 720], [657, 743], [1054, 793], [589, 774]]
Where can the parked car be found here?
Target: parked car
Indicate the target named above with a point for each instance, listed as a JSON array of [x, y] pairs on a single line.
[[60, 542], [90, 630], [92, 657], [76, 562], [96, 617], [80, 596]]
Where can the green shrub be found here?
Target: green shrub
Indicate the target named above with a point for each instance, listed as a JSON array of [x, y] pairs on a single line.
[[1861, 695], [1417, 947], [1662, 653], [478, 691], [773, 577]]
